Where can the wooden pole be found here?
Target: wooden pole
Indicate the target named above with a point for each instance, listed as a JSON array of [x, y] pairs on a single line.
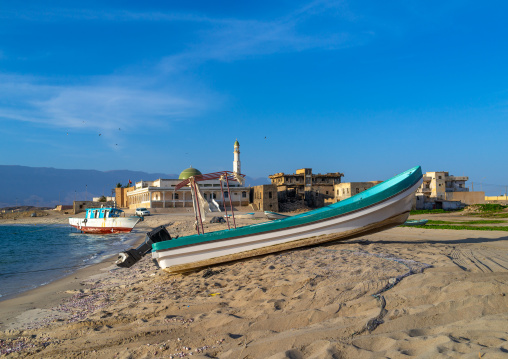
[[223, 203], [230, 202], [197, 205], [194, 205]]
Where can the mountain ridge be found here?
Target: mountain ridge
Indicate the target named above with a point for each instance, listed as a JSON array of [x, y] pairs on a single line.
[[49, 186]]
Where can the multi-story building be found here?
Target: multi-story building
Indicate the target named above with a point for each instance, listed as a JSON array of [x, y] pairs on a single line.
[[161, 192], [264, 198], [349, 189], [312, 189], [440, 190]]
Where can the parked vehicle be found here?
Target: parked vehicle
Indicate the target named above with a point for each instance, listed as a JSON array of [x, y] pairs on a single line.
[[142, 212]]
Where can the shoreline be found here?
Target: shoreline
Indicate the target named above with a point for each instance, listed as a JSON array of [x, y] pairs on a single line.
[[45, 296], [308, 302]]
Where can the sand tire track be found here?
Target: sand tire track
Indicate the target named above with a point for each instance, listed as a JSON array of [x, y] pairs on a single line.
[[484, 260]]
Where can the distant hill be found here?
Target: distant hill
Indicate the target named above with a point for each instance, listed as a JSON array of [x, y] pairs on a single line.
[[45, 186], [251, 182]]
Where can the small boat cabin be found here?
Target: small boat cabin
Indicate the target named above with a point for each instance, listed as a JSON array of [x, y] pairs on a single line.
[[105, 212]]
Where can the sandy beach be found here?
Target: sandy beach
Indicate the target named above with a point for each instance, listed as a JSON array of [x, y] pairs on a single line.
[[440, 294]]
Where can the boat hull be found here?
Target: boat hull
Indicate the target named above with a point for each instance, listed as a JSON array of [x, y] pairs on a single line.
[[273, 215], [104, 225], [241, 216], [388, 213], [416, 222]]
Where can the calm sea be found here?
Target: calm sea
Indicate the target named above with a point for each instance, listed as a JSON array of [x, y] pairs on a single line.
[[33, 255]]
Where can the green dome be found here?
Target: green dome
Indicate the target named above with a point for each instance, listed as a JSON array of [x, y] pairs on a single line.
[[237, 143], [188, 173]]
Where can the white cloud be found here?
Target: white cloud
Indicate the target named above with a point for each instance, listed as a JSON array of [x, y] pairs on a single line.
[[233, 39], [100, 106], [107, 103]]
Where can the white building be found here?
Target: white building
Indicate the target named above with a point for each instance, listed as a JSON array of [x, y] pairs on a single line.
[[161, 192], [440, 190]]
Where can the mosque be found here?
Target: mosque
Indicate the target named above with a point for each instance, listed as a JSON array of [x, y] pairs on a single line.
[[161, 192]]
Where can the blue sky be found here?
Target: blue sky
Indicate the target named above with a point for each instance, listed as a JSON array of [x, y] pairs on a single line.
[[366, 88]]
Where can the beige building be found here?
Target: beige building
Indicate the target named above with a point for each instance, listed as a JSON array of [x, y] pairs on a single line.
[[440, 190], [349, 189], [121, 199], [264, 198], [497, 199], [161, 193], [313, 189]]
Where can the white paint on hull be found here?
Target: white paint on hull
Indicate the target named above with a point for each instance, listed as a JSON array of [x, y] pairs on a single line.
[[401, 203], [123, 224]]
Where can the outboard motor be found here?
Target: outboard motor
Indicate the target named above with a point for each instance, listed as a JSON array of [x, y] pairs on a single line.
[[128, 258]]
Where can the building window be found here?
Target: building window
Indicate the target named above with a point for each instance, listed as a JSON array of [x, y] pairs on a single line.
[[326, 192], [244, 194], [175, 196], [226, 195], [270, 194], [439, 177], [357, 190], [205, 195]]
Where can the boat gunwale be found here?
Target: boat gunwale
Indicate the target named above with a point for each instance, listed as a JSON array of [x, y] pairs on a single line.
[[413, 172]]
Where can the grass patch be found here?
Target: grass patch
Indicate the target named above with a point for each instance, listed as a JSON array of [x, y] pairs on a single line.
[[485, 221], [490, 207], [469, 228], [428, 211]]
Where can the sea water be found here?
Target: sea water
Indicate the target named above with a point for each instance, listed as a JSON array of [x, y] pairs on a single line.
[[34, 255]]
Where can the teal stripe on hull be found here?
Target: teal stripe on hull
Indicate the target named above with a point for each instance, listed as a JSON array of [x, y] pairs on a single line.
[[362, 200]]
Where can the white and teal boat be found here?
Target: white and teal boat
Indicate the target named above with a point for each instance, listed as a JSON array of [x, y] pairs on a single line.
[[383, 206], [415, 222]]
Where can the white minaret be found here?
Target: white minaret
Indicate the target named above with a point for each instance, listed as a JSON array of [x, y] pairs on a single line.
[[236, 162]]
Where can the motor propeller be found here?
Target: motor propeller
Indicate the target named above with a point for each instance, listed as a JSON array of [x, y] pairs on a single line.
[[128, 258]]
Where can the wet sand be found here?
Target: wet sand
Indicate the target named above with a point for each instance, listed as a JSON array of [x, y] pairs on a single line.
[[306, 303]]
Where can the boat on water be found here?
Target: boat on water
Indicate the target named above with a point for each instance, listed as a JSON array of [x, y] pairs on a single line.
[[104, 220], [381, 207], [415, 222], [274, 215]]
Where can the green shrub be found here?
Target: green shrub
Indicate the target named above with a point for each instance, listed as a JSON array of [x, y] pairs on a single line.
[[489, 207]]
